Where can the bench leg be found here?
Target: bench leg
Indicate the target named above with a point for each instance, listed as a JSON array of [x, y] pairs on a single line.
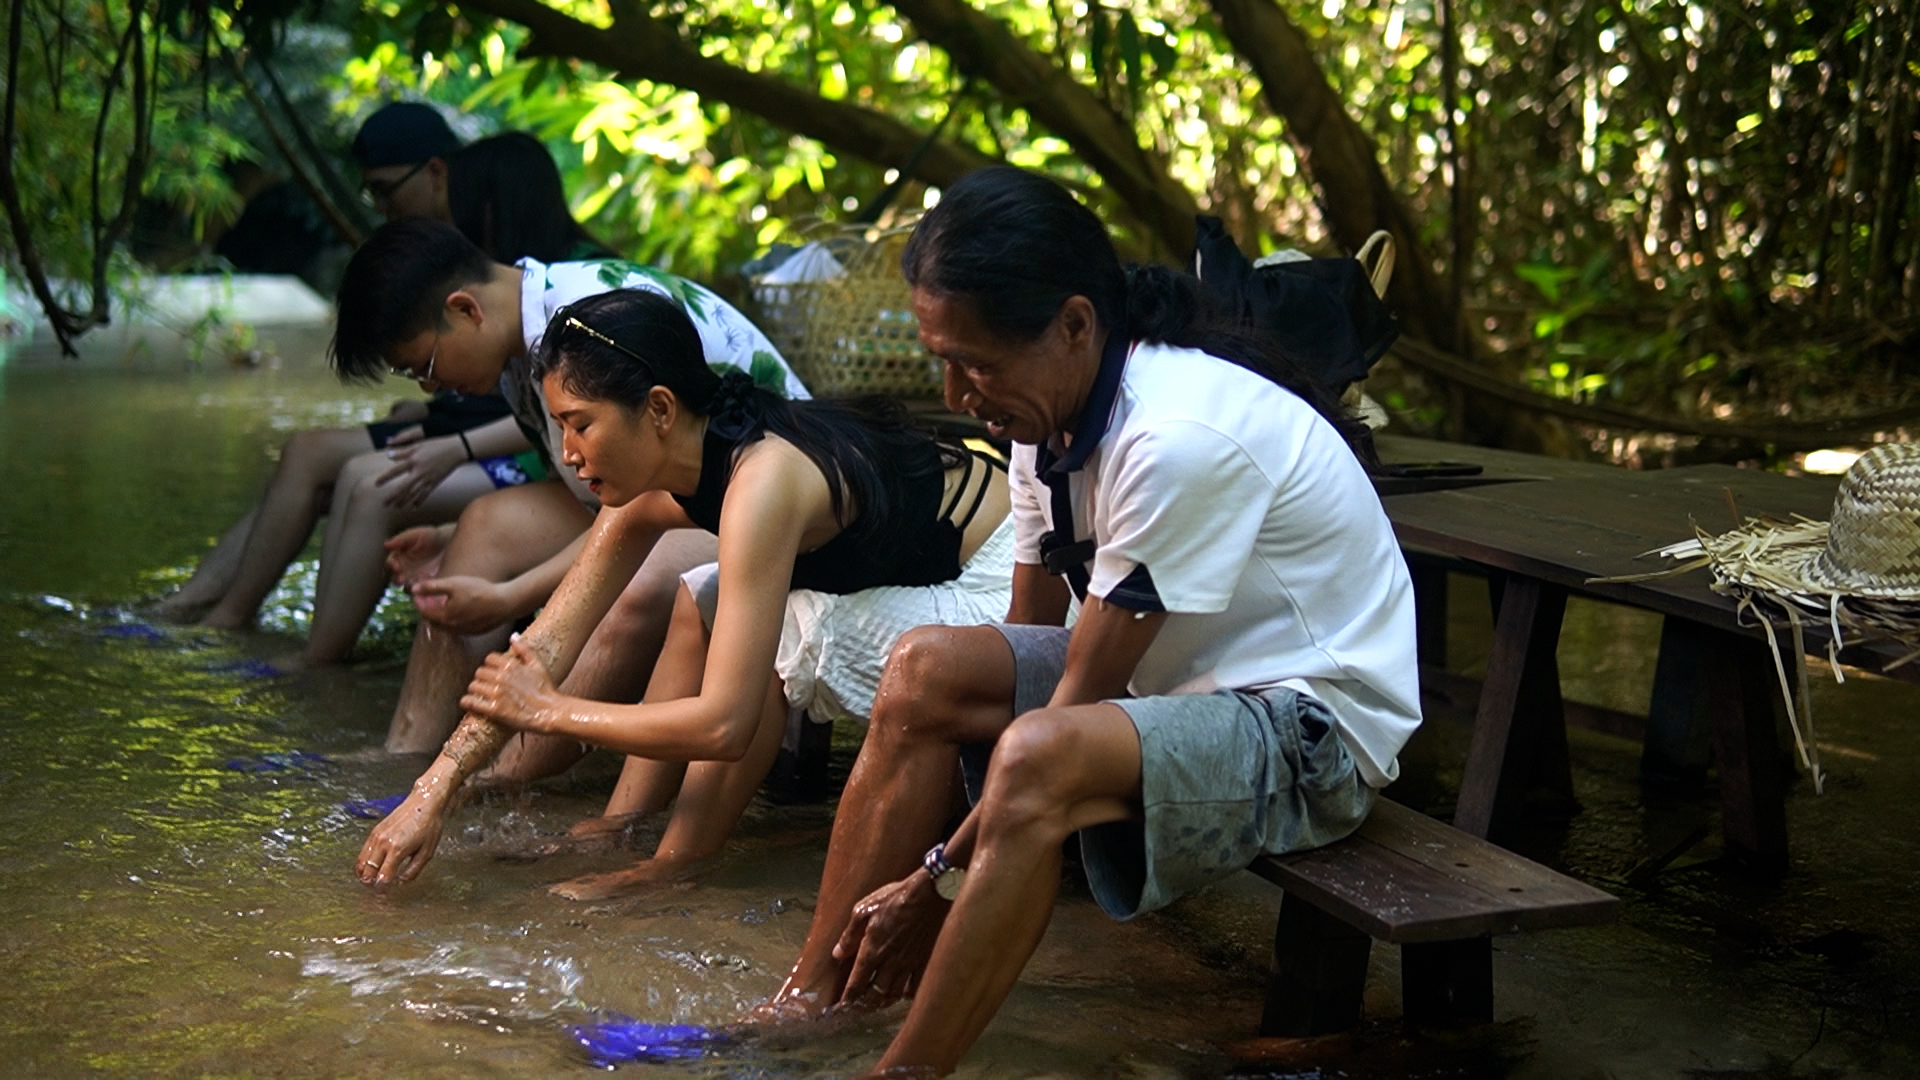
[[1447, 983], [1319, 973], [1520, 730], [1741, 688]]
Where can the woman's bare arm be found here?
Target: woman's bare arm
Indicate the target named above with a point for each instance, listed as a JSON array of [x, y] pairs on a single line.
[[617, 543], [777, 501]]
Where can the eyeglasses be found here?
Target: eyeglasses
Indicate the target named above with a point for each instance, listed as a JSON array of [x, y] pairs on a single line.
[[607, 341], [409, 373], [379, 191]]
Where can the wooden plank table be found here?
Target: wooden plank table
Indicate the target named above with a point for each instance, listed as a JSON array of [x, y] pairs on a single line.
[[1540, 542]]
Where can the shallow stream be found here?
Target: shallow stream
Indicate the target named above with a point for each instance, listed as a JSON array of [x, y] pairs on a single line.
[[169, 913]]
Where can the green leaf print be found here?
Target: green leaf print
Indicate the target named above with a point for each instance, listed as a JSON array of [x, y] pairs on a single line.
[[616, 273], [767, 372]]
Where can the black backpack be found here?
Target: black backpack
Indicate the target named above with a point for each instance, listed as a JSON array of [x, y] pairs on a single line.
[[1323, 313]]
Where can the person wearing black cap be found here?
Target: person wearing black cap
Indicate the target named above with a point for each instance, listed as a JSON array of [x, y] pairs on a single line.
[[403, 150], [421, 463]]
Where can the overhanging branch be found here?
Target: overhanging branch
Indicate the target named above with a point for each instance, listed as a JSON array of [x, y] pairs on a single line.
[[1807, 435], [981, 45], [639, 46], [1340, 157]]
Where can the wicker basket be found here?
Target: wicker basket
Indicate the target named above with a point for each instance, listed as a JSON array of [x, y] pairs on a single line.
[[854, 334]]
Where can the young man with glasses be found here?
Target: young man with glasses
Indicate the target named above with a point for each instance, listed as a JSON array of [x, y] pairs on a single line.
[[420, 464], [420, 299], [403, 150]]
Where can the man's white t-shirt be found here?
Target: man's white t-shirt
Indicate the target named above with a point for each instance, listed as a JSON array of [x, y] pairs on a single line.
[[729, 338], [1264, 540]]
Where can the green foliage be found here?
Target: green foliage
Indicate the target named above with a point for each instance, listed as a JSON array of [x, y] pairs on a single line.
[[1653, 190], [78, 132]]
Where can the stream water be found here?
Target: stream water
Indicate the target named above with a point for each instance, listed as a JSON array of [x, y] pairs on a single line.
[[173, 904]]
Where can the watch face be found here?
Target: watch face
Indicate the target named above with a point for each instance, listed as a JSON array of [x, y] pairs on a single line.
[[948, 884]]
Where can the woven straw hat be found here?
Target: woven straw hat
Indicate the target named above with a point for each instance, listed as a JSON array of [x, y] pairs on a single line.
[[1870, 548], [1873, 538], [1858, 572]]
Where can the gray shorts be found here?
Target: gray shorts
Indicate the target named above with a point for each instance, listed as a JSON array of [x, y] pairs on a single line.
[[1224, 777]]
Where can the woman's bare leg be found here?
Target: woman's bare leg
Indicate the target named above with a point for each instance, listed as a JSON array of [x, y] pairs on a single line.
[[501, 535], [294, 498], [714, 793], [618, 661], [212, 576], [353, 572], [647, 786]]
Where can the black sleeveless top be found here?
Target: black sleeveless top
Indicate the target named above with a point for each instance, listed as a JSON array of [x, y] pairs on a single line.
[[851, 561]]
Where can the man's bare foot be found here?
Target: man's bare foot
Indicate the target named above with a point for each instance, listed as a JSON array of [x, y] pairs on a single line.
[[292, 663], [220, 620], [640, 875], [180, 609]]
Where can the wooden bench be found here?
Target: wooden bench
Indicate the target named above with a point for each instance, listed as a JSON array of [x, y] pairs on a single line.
[[1408, 880]]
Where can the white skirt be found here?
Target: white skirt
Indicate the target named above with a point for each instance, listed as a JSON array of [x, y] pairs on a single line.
[[833, 647]]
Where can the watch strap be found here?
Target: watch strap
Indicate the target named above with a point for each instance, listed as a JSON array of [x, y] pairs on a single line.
[[936, 861]]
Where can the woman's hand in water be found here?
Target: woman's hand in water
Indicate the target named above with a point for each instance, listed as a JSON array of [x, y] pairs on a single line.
[[513, 688], [463, 604], [418, 466], [414, 555], [404, 841], [889, 940]]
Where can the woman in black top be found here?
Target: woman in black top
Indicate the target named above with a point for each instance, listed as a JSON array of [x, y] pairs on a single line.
[[808, 494]]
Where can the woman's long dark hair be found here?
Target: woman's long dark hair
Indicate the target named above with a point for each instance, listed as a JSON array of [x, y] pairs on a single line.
[[505, 195], [865, 448], [1016, 246]]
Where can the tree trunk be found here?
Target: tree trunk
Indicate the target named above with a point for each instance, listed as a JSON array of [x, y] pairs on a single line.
[[638, 46], [1340, 157], [980, 45]]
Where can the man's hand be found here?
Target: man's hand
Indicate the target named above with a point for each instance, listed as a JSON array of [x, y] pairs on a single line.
[[463, 604], [512, 688], [403, 843], [418, 467], [414, 555], [889, 941]]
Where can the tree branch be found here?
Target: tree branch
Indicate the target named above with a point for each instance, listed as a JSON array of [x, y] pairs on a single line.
[[1356, 198], [343, 226], [639, 46], [981, 45], [1807, 435], [68, 324]]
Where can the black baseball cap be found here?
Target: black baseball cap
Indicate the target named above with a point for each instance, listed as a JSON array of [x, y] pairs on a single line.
[[403, 133]]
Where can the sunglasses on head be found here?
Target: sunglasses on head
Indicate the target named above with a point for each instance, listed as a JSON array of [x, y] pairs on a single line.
[[574, 323]]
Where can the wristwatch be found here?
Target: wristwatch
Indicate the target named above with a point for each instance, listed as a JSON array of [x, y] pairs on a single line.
[[947, 878]]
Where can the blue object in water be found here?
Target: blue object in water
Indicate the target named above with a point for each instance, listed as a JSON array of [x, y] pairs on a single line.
[[279, 761], [247, 669], [373, 808], [626, 1039], [143, 631]]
